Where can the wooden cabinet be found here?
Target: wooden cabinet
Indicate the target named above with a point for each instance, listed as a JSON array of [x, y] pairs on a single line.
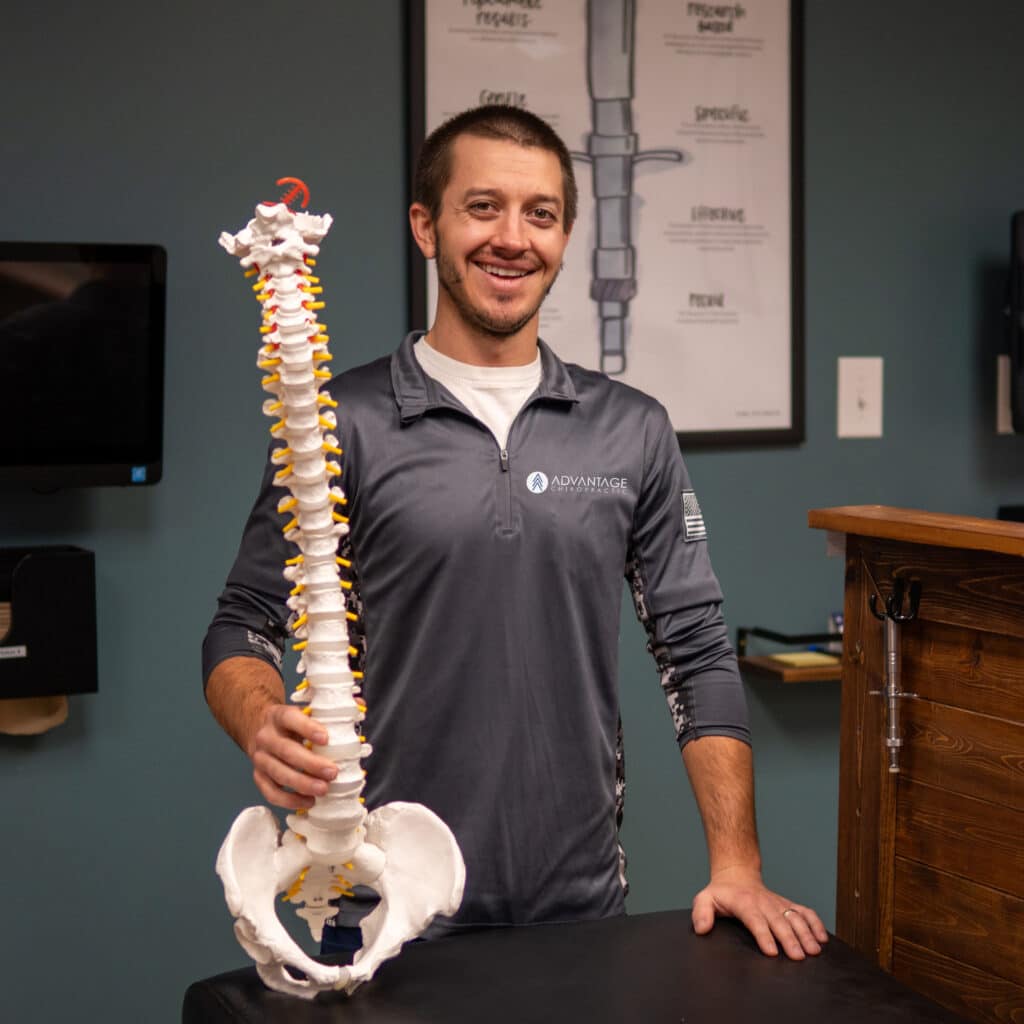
[[931, 858]]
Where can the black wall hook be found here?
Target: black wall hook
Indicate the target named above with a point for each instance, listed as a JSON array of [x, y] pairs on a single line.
[[901, 605]]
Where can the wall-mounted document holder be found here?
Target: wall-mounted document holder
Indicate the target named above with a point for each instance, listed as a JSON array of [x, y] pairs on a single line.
[[50, 647]]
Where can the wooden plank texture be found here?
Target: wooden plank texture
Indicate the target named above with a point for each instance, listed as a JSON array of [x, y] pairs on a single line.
[[973, 755], [916, 527], [980, 927], [971, 993], [962, 588], [850, 783], [975, 839], [860, 774], [931, 861], [965, 668]]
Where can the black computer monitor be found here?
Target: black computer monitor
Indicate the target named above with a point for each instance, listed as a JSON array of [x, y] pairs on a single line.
[[82, 363]]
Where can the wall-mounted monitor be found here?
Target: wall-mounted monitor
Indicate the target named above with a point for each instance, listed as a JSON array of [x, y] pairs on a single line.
[[82, 363]]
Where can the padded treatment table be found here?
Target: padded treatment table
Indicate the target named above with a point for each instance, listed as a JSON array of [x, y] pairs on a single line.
[[643, 969]]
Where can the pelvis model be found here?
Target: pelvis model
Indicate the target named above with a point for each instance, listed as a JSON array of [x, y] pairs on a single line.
[[401, 850]]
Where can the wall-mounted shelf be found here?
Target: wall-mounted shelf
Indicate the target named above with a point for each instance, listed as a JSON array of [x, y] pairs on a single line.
[[793, 667], [767, 667]]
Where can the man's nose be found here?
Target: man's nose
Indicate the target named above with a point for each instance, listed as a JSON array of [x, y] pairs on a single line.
[[509, 235]]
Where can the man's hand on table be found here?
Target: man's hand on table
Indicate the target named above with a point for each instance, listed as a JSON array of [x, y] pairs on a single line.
[[773, 920]]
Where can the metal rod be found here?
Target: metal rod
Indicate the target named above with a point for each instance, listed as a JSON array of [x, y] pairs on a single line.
[[893, 694]]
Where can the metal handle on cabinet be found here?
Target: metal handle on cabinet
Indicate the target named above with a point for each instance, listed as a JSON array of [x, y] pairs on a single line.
[[900, 606]]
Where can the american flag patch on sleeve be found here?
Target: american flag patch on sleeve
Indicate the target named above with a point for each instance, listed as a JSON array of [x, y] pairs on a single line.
[[693, 518]]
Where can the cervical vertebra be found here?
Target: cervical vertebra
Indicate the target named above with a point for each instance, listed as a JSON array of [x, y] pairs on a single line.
[[401, 850]]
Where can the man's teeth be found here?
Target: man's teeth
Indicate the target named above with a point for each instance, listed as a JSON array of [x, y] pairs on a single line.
[[505, 272]]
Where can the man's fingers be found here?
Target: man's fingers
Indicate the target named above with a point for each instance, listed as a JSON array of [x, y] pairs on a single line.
[[284, 775], [274, 794], [282, 738], [293, 754], [807, 927], [785, 927], [818, 930], [757, 925], [703, 914], [291, 719], [772, 921], [285, 770], [802, 932]]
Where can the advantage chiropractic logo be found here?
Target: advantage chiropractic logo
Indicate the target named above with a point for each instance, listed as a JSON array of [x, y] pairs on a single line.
[[537, 482], [575, 483]]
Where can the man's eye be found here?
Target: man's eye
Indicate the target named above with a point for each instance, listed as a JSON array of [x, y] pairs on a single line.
[[541, 214]]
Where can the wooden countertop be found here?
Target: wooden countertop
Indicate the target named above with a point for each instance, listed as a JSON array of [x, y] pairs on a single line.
[[916, 527]]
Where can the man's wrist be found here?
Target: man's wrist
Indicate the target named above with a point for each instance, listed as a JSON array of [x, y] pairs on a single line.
[[731, 869], [241, 692]]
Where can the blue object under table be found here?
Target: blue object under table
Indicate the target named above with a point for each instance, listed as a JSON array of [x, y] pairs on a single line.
[[640, 969]]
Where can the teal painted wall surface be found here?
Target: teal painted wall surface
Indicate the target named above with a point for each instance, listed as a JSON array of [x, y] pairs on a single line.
[[128, 122]]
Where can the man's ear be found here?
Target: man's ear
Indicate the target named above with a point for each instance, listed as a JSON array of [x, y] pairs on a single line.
[[422, 226]]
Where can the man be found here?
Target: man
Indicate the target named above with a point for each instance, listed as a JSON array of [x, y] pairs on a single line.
[[489, 592]]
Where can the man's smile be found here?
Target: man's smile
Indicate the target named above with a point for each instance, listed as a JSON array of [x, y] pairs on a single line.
[[495, 270]]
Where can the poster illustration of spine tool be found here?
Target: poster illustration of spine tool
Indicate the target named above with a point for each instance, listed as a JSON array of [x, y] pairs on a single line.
[[403, 851], [612, 151]]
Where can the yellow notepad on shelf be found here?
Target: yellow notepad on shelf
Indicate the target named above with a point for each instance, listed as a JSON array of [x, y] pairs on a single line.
[[805, 659]]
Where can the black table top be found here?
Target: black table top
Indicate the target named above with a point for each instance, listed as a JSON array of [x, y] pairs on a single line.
[[647, 968]]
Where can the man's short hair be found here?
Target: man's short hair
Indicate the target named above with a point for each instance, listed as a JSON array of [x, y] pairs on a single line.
[[495, 121]]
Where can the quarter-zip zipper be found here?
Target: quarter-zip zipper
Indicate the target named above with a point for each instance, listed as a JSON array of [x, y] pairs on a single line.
[[503, 458]]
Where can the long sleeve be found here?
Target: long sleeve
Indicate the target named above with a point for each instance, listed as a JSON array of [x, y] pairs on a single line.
[[678, 599], [251, 612]]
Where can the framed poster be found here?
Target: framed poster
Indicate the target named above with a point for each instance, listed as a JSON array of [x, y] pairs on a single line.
[[684, 274]]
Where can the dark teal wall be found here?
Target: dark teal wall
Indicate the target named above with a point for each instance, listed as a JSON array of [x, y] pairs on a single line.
[[128, 122]]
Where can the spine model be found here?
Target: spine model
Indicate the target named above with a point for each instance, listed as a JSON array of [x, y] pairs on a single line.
[[401, 850]]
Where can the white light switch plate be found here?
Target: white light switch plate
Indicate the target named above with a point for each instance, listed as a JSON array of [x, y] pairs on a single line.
[[860, 396]]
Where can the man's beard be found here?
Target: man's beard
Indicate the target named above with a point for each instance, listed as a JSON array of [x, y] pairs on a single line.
[[496, 326]]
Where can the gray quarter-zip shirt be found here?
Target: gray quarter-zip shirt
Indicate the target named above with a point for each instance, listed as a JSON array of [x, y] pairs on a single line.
[[488, 584]]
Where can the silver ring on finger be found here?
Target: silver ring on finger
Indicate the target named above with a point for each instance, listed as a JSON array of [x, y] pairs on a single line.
[[791, 910]]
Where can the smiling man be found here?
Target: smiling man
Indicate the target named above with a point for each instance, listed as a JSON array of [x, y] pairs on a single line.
[[497, 499], [498, 229]]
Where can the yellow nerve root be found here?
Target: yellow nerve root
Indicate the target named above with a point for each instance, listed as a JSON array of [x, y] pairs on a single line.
[[296, 886]]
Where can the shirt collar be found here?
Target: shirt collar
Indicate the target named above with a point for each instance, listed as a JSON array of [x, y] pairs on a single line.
[[416, 393]]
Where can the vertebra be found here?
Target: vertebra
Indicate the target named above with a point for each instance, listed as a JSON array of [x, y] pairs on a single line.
[[403, 851]]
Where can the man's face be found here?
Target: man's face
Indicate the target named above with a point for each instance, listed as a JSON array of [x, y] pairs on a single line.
[[500, 237]]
